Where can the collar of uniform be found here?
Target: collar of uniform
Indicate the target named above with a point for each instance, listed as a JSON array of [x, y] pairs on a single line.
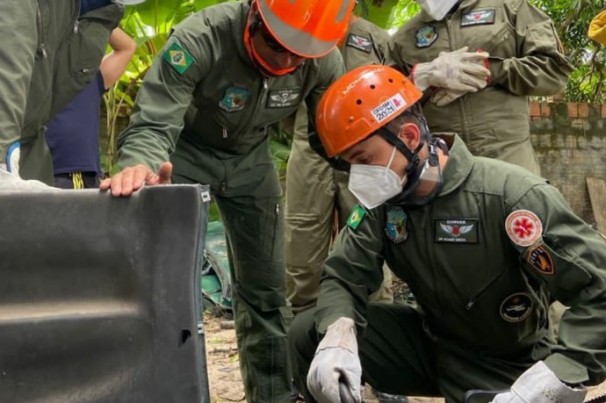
[[459, 165], [465, 5]]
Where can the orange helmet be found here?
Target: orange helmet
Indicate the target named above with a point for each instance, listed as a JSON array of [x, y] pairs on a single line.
[[307, 28], [359, 103]]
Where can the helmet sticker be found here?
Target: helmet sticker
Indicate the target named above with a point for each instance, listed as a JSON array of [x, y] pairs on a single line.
[[393, 105]]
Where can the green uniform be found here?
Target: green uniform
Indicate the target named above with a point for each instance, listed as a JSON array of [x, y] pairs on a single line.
[[51, 56], [484, 260], [317, 194], [526, 58], [205, 101]]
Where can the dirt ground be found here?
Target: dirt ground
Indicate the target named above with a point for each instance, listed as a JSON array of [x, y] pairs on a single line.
[[224, 370]]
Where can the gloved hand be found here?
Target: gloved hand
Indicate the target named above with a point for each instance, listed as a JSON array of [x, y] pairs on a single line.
[[457, 70], [336, 360], [540, 385], [445, 96], [10, 182]]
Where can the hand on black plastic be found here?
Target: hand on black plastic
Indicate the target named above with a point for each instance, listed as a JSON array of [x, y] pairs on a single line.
[[130, 179]]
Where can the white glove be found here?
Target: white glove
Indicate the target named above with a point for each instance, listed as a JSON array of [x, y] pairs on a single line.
[[445, 96], [458, 70], [11, 182], [540, 385], [336, 360]]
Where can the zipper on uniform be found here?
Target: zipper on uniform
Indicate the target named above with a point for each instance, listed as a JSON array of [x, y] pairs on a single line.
[[224, 132], [472, 301], [265, 86], [41, 46]]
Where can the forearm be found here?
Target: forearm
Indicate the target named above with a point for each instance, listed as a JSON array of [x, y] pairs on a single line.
[[119, 41]]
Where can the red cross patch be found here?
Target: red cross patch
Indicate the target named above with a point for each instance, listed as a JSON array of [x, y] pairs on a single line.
[[523, 227]]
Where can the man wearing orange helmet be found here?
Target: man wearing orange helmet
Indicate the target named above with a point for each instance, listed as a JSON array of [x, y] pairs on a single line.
[[225, 75], [485, 247]]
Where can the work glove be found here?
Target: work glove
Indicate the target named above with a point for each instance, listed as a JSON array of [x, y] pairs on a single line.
[[540, 385], [457, 70], [336, 361], [445, 96], [11, 182]]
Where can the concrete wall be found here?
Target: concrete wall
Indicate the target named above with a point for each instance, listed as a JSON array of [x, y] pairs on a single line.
[[570, 141]]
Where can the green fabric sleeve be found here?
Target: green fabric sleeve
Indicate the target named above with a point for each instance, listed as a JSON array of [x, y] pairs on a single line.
[[17, 55]]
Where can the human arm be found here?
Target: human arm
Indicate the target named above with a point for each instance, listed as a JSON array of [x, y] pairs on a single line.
[[17, 56], [539, 66], [156, 123], [114, 64], [351, 273], [331, 68], [569, 261]]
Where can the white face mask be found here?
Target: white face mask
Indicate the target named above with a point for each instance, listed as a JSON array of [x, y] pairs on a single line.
[[373, 185], [437, 9]]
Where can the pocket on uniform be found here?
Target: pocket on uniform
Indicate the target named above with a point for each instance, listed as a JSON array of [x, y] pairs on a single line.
[[306, 240]]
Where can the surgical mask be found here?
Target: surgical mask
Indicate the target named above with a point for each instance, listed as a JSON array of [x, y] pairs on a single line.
[[437, 9], [373, 185]]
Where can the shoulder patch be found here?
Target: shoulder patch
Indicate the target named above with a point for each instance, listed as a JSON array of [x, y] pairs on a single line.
[[395, 225], [178, 58], [541, 259], [356, 217], [478, 17], [426, 36], [359, 42], [523, 227]]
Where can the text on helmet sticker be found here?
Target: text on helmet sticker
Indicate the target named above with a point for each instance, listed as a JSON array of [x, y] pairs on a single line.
[[393, 105]]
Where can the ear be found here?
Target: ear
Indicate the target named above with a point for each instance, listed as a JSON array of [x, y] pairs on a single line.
[[410, 134]]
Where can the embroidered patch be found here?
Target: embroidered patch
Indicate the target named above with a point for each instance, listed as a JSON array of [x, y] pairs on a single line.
[[478, 17], [426, 36], [178, 58], [516, 307], [456, 230], [283, 98], [356, 216], [359, 42], [234, 99], [395, 227], [523, 227], [393, 105], [540, 259]]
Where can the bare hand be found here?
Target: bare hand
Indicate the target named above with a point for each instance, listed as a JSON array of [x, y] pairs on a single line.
[[130, 179]]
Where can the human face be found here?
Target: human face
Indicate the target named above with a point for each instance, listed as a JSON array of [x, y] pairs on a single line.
[[376, 151], [273, 54]]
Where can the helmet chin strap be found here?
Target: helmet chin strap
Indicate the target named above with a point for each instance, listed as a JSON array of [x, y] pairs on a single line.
[[411, 156], [255, 57]]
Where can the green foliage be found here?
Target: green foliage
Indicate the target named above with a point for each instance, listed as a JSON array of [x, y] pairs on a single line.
[[571, 19]]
